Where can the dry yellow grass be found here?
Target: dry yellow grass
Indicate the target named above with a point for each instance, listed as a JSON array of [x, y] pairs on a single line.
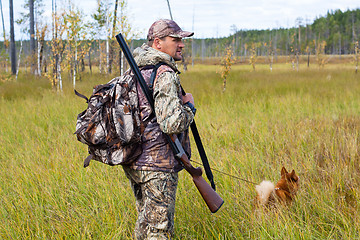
[[307, 120]]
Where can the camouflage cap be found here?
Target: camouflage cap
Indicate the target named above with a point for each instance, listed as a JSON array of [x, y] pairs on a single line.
[[165, 27]]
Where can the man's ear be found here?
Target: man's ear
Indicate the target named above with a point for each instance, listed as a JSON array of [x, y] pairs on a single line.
[[157, 43]]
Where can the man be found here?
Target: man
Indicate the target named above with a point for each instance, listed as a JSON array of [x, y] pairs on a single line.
[[154, 175]]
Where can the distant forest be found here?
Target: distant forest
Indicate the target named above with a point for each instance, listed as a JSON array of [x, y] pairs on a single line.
[[340, 31]]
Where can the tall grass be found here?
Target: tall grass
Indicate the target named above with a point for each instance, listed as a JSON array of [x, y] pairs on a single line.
[[306, 120]]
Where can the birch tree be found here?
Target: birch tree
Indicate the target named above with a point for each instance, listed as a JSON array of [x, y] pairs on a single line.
[[253, 55], [32, 35], [111, 57], [120, 23], [2, 18], [58, 45], [4, 52], [12, 38], [293, 54], [37, 31], [128, 32], [356, 55], [40, 35], [99, 18], [75, 29], [320, 53], [18, 67], [227, 61], [269, 53]]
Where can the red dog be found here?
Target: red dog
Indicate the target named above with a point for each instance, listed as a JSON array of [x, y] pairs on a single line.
[[284, 192]]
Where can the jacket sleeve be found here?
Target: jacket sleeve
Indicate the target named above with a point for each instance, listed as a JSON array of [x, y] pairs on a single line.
[[172, 115]]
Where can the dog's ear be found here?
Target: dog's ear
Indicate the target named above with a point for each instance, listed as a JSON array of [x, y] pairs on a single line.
[[283, 171], [293, 176]]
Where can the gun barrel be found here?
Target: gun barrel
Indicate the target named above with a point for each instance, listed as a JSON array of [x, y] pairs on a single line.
[[134, 67]]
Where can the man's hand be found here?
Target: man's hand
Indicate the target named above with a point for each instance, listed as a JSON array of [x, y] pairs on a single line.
[[188, 98]]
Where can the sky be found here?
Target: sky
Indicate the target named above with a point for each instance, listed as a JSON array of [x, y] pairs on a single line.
[[207, 18]]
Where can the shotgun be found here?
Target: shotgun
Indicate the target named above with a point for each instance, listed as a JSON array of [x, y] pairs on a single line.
[[211, 198]]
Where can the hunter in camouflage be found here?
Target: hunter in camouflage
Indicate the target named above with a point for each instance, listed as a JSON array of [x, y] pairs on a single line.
[[154, 175], [172, 116]]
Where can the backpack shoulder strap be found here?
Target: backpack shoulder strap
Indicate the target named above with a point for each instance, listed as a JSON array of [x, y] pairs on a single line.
[[81, 95], [153, 74]]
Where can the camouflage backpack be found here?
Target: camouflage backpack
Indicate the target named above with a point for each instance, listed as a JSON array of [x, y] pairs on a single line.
[[110, 125]]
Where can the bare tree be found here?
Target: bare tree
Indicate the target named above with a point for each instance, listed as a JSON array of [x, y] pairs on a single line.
[[192, 40], [111, 57], [32, 35], [2, 18], [99, 27], [18, 67], [31, 22], [12, 38], [6, 41]]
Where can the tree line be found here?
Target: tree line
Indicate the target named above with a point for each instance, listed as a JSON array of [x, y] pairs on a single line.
[[69, 44], [338, 31]]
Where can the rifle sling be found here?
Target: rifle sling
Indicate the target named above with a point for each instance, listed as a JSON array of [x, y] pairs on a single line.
[[201, 150], [202, 153], [194, 131]]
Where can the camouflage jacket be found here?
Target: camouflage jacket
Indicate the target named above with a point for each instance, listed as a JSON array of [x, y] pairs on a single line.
[[171, 115]]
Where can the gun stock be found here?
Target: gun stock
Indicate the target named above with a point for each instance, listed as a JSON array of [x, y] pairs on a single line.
[[211, 198]]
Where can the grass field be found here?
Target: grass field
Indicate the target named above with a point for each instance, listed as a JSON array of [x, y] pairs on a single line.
[[307, 120]]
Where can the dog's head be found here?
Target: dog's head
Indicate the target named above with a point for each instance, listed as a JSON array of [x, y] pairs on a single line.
[[291, 180]]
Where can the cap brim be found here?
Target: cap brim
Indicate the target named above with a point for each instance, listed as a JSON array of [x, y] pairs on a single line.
[[182, 34]]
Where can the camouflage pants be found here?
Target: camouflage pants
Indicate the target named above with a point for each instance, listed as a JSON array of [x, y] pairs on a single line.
[[155, 203]]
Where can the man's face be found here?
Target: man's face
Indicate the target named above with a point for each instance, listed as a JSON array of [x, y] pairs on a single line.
[[171, 46]]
